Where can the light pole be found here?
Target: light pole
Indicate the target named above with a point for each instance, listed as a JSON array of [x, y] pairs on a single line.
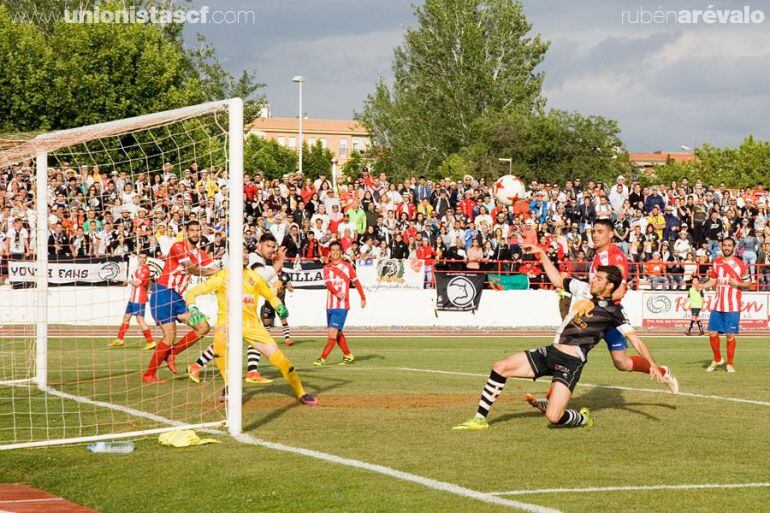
[[299, 79], [510, 164]]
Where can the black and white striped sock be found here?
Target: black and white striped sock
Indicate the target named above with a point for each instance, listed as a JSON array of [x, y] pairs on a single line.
[[489, 395], [252, 357], [206, 356], [542, 404], [571, 418], [286, 331]]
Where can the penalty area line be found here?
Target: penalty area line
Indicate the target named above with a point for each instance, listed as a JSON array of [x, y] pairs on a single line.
[[398, 474], [634, 488]]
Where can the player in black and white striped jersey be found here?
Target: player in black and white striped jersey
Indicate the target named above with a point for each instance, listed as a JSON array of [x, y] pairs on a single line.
[[580, 331]]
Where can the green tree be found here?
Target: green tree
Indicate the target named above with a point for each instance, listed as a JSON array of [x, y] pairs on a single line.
[[354, 165], [466, 59], [25, 79], [742, 166], [267, 157], [555, 146], [61, 75], [316, 160]]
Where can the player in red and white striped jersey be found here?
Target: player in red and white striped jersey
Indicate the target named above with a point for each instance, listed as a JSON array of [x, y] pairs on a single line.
[[137, 303], [608, 253], [339, 275], [730, 275], [168, 305]]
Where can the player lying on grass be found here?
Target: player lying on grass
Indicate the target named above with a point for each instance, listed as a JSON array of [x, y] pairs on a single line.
[[581, 330], [137, 304], [253, 332], [267, 251]]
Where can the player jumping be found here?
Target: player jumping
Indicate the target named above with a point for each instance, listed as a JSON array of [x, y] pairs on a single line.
[[168, 305], [583, 328], [253, 332], [338, 276], [731, 275], [137, 304]]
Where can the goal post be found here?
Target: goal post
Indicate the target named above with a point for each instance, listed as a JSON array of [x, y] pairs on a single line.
[[59, 381]]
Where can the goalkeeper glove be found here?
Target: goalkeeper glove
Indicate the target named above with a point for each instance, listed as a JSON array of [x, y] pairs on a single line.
[[282, 311], [196, 316]]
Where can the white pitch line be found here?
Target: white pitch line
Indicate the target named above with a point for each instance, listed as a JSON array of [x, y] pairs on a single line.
[[398, 474], [635, 488], [589, 385], [46, 499], [248, 439]]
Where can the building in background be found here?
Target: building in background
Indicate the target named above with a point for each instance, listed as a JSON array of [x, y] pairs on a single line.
[[646, 162], [340, 136]]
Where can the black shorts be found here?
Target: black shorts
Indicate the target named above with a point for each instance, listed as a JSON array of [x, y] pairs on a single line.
[[695, 312], [268, 312], [549, 361]]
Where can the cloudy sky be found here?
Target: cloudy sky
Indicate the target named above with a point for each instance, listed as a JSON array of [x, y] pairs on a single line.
[[668, 84]]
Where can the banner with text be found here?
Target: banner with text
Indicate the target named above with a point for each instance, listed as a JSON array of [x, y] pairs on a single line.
[[305, 275], [391, 273], [458, 291], [85, 272], [672, 309]]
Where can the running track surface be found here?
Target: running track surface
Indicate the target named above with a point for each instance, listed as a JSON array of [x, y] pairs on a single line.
[[19, 498]]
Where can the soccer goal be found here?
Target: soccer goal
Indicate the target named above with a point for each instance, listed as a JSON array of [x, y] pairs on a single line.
[[91, 199]]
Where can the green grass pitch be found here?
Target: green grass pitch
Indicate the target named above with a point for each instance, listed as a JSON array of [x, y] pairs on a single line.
[[386, 410]]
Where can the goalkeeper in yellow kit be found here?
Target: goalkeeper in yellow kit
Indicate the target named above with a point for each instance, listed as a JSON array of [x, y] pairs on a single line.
[[253, 332]]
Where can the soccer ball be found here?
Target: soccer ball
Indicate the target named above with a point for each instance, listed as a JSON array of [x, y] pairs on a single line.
[[508, 189]]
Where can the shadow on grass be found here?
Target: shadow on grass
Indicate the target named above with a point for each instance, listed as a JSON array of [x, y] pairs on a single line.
[[316, 390], [597, 399]]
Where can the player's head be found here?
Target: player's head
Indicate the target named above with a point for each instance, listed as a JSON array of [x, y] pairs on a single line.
[[695, 280], [728, 246], [606, 280], [602, 233], [335, 251], [267, 245], [193, 229], [142, 257]]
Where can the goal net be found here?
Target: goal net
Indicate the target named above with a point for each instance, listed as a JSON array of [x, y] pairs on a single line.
[[83, 205]]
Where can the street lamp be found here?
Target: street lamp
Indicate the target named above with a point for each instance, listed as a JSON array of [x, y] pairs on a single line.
[[299, 79], [510, 164]]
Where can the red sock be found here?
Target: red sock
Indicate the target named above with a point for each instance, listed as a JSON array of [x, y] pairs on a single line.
[[122, 330], [343, 342], [730, 350], [328, 349], [714, 341], [185, 342], [148, 335], [158, 357], [639, 364]]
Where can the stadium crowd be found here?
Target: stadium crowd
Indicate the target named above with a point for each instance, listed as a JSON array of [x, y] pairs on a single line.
[[669, 232]]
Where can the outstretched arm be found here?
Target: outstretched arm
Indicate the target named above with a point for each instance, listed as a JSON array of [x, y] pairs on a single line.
[[550, 270]]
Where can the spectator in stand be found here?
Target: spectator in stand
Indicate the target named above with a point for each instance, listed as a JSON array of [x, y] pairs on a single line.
[[655, 270], [763, 259], [426, 253], [654, 200], [475, 256], [58, 244], [457, 255]]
